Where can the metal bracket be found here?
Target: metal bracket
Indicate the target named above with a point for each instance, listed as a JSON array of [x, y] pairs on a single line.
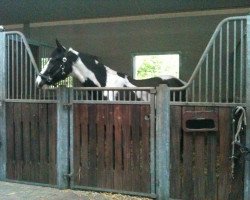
[[67, 105], [68, 176]]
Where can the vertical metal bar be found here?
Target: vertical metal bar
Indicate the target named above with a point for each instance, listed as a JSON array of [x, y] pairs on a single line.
[[247, 161], [234, 63], [200, 84], [206, 85], [241, 59], [17, 66], [227, 63], [193, 91], [162, 143], [220, 66], [21, 83], [26, 75], [71, 135], [152, 140], [8, 65], [213, 74], [62, 139], [13, 67], [30, 82], [3, 146]]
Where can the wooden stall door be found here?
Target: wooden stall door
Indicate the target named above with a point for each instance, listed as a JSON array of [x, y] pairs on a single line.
[[31, 142], [112, 147], [200, 161]]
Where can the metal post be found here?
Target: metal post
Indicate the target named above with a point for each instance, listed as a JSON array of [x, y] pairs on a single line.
[[3, 146], [247, 163], [162, 142], [62, 138]]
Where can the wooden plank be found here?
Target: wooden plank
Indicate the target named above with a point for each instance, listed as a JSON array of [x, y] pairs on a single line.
[[118, 147], [92, 145], [224, 161], [145, 149], [35, 143], [52, 129], [43, 138], [175, 152], [101, 171], [18, 140], [26, 141], [77, 144], [199, 175], [10, 141], [109, 148], [84, 149], [135, 117], [188, 184], [126, 127], [211, 187]]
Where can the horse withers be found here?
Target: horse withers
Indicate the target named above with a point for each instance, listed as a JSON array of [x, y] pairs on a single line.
[[92, 73]]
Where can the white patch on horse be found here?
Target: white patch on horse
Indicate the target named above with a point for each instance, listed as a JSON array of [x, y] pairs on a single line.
[[96, 62], [82, 73], [38, 78], [74, 51]]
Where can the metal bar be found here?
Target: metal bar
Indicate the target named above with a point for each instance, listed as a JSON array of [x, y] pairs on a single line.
[[152, 141], [241, 60], [234, 63], [193, 91], [62, 139], [162, 142], [8, 66], [247, 161], [21, 43], [220, 66], [13, 67], [213, 74], [227, 61], [214, 104], [3, 146], [17, 66], [26, 75], [206, 86], [200, 84]]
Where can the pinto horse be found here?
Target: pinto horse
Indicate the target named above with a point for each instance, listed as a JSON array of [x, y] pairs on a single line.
[[92, 73]]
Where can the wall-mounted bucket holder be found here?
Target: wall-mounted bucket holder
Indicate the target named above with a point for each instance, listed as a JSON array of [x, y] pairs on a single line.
[[199, 121]]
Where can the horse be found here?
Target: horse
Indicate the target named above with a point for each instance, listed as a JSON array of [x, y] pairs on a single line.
[[91, 72]]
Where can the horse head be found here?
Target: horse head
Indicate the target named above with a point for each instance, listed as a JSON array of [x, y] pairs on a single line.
[[57, 68]]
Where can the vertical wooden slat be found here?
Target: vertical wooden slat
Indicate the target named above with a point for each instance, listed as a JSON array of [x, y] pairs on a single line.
[[10, 141], [126, 125], [188, 184], [100, 146], [18, 139], [224, 161], [145, 149], [27, 141], [35, 144], [199, 175], [43, 134], [135, 146], [52, 142], [175, 152], [84, 151], [109, 152], [211, 187], [118, 147], [92, 145], [77, 144]]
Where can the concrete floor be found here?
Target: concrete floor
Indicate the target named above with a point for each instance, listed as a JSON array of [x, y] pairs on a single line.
[[15, 191]]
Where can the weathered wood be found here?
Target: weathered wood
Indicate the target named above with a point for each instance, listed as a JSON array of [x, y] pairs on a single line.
[[211, 187], [224, 161], [175, 152], [188, 184]]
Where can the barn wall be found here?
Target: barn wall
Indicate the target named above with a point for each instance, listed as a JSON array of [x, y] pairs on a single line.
[[116, 42]]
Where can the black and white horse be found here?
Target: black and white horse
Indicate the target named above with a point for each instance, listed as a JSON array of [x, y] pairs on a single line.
[[92, 73]]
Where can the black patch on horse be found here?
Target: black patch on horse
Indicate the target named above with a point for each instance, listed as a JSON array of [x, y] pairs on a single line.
[[97, 68], [121, 74]]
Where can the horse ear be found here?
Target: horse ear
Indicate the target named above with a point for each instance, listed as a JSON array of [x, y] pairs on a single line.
[[59, 44]]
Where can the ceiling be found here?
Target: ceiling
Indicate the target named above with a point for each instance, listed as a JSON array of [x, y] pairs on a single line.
[[30, 11]]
